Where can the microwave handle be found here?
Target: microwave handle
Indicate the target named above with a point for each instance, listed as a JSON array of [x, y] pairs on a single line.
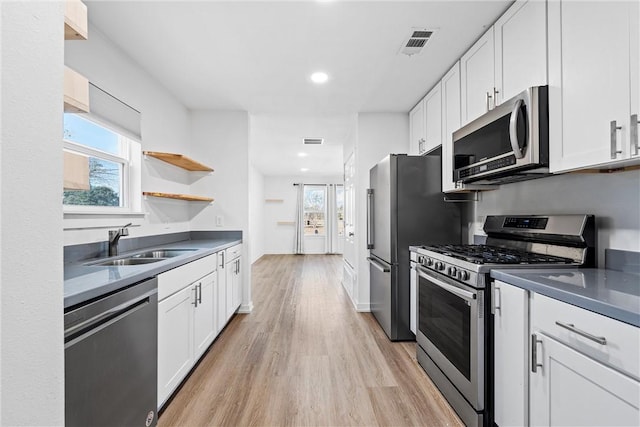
[[513, 130]]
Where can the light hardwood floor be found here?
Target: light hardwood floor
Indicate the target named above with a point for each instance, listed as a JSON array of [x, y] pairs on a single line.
[[305, 357]]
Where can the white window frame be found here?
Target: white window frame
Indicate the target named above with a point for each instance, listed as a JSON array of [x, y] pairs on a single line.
[[344, 211], [131, 159], [324, 235]]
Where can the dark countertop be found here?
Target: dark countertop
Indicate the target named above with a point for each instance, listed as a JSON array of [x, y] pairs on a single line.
[[612, 293], [84, 282]]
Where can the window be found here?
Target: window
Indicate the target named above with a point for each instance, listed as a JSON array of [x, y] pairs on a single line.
[[315, 197], [340, 208], [99, 164]]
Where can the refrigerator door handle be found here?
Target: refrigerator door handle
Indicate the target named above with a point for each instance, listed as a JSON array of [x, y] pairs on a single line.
[[369, 218], [377, 264]]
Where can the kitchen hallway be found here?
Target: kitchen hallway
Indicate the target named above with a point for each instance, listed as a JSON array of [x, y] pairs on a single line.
[[304, 356]]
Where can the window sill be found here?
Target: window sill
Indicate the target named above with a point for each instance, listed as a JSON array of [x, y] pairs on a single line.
[[100, 213]]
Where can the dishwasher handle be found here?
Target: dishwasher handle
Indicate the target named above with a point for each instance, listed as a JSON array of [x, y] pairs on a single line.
[[87, 327]]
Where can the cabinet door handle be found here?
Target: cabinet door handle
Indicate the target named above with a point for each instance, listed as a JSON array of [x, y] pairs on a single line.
[[572, 328], [200, 293], [495, 96], [614, 128], [195, 296], [633, 130], [488, 98], [495, 305], [222, 265], [534, 353]]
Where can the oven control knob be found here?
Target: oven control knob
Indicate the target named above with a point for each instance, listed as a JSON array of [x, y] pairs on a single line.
[[420, 259], [429, 262], [452, 271], [439, 266], [463, 275]]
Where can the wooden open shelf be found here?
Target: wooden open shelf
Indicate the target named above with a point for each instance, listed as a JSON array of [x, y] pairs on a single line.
[[187, 197], [179, 160], [75, 20]]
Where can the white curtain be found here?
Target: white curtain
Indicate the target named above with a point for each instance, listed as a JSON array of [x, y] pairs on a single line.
[[298, 246], [332, 220]]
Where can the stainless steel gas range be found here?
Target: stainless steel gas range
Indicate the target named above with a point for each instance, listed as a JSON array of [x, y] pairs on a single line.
[[454, 326]]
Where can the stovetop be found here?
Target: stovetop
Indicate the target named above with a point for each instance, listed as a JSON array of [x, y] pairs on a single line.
[[514, 242], [471, 264], [485, 254]]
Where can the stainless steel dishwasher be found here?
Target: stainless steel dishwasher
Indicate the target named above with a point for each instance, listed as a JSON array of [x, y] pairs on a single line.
[[111, 359]]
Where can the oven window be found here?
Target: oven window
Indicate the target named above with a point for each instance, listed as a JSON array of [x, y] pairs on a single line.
[[445, 319]]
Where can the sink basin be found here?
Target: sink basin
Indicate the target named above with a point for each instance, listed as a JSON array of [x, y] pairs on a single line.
[[162, 253], [128, 261]]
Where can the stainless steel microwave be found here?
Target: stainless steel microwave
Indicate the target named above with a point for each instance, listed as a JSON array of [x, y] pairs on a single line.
[[509, 143]]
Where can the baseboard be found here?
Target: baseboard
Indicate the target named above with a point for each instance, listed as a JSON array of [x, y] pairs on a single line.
[[363, 307], [246, 308], [258, 259]]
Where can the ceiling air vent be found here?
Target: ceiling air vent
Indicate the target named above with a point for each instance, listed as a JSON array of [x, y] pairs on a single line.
[[313, 141], [416, 41]]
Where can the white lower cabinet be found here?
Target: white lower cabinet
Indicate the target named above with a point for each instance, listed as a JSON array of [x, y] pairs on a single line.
[[191, 312], [221, 303], [234, 279], [175, 341], [557, 364], [571, 389], [204, 325], [511, 331]]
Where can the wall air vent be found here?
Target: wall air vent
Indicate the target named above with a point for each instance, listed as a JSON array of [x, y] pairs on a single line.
[[313, 141], [416, 41]]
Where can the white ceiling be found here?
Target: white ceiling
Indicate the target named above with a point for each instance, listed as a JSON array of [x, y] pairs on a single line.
[[257, 56]]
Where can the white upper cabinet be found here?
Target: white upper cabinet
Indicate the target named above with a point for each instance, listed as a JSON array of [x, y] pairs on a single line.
[[520, 49], [507, 59], [477, 78], [450, 123], [417, 130], [433, 119], [593, 79]]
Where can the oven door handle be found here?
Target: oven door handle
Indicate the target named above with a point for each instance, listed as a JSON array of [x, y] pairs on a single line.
[[464, 294]]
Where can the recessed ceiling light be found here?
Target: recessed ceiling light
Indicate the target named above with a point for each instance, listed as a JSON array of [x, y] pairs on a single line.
[[304, 169], [302, 154], [319, 77]]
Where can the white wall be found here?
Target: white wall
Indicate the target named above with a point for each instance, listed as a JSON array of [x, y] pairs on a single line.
[[256, 213], [165, 127], [613, 198], [221, 140], [379, 134], [31, 295], [279, 239]]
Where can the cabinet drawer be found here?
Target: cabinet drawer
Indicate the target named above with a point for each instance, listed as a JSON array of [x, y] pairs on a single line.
[[233, 252], [622, 340], [173, 280]]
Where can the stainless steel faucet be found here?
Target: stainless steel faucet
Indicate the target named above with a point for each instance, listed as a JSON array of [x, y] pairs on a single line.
[[114, 237]]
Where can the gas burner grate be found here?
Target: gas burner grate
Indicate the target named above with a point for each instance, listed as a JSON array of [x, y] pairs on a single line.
[[484, 254]]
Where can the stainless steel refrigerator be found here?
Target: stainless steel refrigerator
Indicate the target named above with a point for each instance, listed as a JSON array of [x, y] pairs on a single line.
[[405, 207]]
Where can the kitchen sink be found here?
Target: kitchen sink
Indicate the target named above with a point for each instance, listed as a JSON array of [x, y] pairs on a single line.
[[162, 253], [127, 261]]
